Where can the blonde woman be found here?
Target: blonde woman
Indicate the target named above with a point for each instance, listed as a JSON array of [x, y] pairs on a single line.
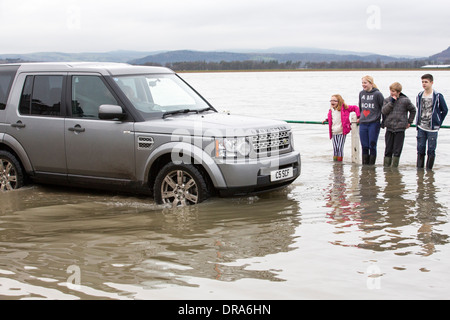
[[370, 104], [339, 124]]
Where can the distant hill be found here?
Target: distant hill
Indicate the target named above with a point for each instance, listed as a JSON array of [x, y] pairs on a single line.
[[112, 56], [192, 56], [212, 56], [443, 56], [279, 54], [299, 50]]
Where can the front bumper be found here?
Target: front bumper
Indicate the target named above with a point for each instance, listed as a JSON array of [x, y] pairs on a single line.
[[248, 177]]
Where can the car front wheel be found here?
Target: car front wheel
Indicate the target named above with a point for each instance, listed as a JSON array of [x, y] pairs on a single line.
[[180, 185]]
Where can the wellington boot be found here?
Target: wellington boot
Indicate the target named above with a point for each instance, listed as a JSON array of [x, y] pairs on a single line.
[[339, 159], [335, 158], [387, 161], [395, 161], [372, 159], [365, 159], [430, 162], [420, 160]]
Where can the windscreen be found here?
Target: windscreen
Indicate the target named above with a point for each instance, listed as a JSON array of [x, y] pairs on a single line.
[[155, 95]]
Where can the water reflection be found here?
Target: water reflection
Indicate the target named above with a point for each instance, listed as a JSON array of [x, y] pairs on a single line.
[[128, 240], [371, 198], [344, 207], [223, 231], [385, 228], [390, 214], [429, 211]]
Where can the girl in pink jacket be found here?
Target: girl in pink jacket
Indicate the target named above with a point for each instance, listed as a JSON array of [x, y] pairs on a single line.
[[339, 124]]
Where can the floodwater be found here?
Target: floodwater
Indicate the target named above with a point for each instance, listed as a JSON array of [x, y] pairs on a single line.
[[340, 231]]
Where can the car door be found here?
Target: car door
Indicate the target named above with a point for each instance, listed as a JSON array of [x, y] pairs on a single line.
[[38, 123], [96, 149]]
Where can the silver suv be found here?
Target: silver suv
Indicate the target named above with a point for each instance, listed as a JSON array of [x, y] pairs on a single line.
[[133, 128]]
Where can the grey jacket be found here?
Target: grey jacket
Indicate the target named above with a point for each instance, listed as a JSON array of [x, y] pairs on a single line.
[[370, 104], [395, 113]]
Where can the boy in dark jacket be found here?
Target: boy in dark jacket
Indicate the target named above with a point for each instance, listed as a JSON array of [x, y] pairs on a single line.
[[431, 112], [399, 114]]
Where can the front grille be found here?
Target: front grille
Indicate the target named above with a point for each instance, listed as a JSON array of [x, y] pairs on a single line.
[[272, 140]]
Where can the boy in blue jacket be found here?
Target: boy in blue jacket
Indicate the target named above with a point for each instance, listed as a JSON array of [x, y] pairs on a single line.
[[431, 112]]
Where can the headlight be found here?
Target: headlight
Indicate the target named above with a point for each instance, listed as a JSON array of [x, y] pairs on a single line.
[[232, 147], [291, 135]]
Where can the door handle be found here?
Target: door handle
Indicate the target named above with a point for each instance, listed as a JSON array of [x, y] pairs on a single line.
[[77, 129], [18, 124]]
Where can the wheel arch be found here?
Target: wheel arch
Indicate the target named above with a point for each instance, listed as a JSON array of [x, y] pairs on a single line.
[[185, 153], [8, 143]]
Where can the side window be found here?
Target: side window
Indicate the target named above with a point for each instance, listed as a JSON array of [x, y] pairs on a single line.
[[88, 94], [25, 99], [7, 75], [41, 96]]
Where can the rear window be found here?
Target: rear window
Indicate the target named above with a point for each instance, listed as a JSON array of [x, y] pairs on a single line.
[[7, 74], [41, 95]]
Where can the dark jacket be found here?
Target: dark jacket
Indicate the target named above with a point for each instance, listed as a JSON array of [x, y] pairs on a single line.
[[439, 110], [395, 113]]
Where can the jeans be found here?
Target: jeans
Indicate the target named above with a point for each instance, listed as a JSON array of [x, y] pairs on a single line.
[[368, 133], [422, 138]]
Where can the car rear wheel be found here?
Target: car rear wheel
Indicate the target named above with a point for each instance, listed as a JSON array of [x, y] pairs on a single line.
[[11, 173], [180, 185]]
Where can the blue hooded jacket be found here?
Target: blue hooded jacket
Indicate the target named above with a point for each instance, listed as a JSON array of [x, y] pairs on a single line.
[[440, 110]]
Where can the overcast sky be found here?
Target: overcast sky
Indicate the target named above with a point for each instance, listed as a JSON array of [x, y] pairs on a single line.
[[416, 28]]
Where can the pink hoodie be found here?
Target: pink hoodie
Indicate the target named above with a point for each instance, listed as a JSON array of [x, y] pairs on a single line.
[[345, 117]]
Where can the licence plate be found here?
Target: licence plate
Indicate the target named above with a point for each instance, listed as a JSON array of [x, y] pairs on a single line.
[[281, 174]]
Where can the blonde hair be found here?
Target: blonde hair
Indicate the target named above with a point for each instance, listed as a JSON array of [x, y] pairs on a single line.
[[370, 80], [341, 102], [396, 87]]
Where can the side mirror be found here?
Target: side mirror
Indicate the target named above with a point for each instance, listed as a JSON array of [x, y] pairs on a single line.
[[110, 112]]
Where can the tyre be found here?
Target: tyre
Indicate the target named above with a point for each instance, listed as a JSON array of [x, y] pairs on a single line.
[[11, 172], [180, 185]]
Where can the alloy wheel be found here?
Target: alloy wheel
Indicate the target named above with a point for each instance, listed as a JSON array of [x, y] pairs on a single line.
[[179, 189], [8, 175]]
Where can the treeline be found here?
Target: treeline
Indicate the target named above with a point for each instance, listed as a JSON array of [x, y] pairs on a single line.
[[290, 65], [231, 65], [409, 64], [13, 60]]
